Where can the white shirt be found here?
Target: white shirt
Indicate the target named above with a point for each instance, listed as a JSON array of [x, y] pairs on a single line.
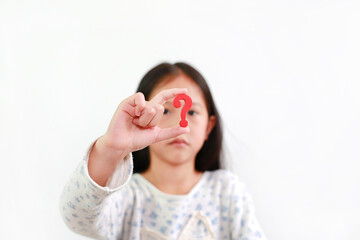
[[130, 207]]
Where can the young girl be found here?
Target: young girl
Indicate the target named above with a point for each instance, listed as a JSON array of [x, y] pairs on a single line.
[[148, 178]]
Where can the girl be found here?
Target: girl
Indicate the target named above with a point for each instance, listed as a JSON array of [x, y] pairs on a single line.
[[148, 178]]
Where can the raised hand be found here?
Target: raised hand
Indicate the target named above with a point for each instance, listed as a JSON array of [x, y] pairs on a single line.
[[134, 124], [133, 127]]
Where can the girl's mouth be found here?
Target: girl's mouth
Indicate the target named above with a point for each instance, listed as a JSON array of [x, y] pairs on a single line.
[[179, 142]]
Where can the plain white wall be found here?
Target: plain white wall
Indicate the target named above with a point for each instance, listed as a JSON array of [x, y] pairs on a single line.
[[285, 76]]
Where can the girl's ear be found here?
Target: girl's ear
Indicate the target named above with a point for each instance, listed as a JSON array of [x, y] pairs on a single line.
[[210, 126]]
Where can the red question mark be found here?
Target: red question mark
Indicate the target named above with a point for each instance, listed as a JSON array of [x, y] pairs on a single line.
[[185, 109]]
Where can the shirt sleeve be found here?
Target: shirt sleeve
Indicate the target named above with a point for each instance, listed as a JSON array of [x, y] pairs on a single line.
[[244, 225], [87, 208]]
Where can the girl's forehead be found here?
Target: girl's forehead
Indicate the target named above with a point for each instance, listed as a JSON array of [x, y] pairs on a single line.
[[180, 81]]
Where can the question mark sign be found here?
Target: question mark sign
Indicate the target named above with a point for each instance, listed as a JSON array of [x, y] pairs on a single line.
[[185, 109]]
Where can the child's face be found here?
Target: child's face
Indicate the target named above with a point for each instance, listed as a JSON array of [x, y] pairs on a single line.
[[183, 148]]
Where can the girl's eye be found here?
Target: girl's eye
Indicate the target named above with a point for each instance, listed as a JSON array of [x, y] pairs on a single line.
[[166, 111], [192, 112]]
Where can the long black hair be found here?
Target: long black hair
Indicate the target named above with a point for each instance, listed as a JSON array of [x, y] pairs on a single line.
[[209, 156]]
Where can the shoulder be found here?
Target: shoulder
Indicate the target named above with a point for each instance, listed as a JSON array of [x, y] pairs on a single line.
[[226, 179], [230, 185]]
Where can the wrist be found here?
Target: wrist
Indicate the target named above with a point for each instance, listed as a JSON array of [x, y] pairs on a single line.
[[108, 152], [102, 161]]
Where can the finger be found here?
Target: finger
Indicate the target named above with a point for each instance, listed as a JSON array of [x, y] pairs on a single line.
[[139, 103], [168, 94], [167, 133], [159, 113], [146, 116]]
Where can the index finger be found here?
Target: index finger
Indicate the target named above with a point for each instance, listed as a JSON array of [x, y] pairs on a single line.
[[168, 94]]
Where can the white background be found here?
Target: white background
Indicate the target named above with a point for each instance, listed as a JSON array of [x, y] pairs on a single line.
[[284, 74]]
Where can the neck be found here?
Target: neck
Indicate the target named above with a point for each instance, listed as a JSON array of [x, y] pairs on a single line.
[[172, 179]]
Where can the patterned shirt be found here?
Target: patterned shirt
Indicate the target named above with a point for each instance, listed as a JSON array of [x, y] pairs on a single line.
[[129, 207]]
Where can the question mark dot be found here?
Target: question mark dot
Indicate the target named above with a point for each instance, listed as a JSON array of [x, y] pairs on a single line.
[[183, 123]]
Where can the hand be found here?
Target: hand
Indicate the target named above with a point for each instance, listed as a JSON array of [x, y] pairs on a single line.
[[134, 124]]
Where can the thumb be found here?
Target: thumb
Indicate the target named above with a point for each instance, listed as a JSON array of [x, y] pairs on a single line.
[[167, 133]]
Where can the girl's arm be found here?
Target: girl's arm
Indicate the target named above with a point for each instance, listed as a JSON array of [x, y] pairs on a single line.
[[88, 208]]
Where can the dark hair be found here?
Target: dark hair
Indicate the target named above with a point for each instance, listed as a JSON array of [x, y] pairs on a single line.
[[209, 156]]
